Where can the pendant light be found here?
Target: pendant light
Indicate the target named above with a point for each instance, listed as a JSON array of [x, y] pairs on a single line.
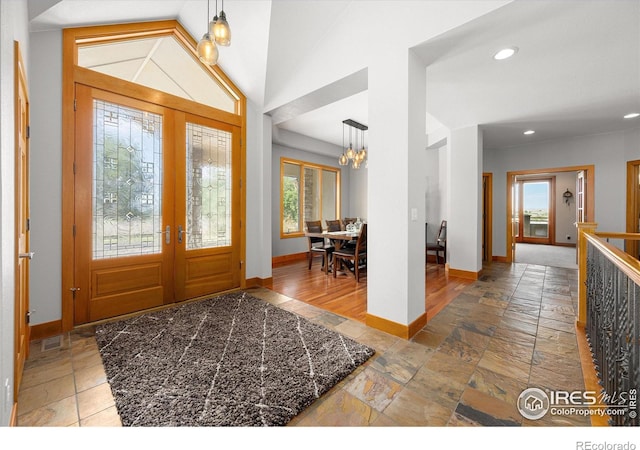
[[357, 157], [207, 49], [219, 28]]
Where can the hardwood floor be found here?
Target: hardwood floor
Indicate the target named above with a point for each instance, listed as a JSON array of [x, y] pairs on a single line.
[[343, 296]]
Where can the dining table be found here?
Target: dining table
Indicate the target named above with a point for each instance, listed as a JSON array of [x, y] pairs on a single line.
[[337, 238]]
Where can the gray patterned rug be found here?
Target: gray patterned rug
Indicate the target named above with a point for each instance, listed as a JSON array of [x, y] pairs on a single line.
[[232, 360]]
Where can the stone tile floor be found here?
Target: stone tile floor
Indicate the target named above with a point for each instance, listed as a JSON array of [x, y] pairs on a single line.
[[512, 329]]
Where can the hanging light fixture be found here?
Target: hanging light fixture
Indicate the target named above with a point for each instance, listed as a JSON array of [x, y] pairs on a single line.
[[219, 28], [357, 157], [207, 49]]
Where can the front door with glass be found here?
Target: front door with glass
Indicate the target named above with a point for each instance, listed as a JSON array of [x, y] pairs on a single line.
[[155, 212]]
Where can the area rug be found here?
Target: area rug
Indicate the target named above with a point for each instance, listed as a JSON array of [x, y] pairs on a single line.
[[232, 360]]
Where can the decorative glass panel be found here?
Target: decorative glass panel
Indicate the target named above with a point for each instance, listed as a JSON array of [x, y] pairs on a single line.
[[208, 218], [127, 186]]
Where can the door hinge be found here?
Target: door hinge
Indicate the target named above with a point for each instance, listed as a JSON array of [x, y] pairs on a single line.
[[28, 224], [75, 104], [74, 167], [28, 131], [74, 230], [28, 317], [241, 263]]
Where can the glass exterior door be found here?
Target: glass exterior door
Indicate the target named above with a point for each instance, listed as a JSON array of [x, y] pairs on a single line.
[[208, 201], [157, 206], [535, 211]]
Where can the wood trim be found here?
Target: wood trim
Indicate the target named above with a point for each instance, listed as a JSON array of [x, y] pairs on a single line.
[[466, 274], [589, 374], [583, 228], [397, 329], [305, 164], [632, 205], [283, 259], [563, 244], [13, 420], [72, 74], [69, 60], [149, 95], [21, 123], [118, 32], [499, 258], [551, 222], [626, 263], [589, 192], [47, 329], [260, 282]]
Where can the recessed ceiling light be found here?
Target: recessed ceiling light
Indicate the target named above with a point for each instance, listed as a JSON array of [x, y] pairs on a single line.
[[632, 115], [529, 132], [505, 53]]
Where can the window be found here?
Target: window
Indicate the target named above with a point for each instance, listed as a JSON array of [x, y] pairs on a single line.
[[307, 192]]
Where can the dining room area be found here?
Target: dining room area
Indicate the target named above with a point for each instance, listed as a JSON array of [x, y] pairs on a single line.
[[332, 274]]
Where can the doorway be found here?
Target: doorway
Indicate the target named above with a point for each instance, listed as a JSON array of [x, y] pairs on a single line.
[[487, 217], [633, 207], [157, 205], [22, 243], [152, 165], [584, 201], [535, 210]]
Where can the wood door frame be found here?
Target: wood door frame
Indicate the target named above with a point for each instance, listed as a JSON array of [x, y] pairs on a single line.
[[72, 74], [551, 225], [21, 130], [633, 206], [589, 171], [487, 211]]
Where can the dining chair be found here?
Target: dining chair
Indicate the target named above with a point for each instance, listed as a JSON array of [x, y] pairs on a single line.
[[318, 245], [334, 225], [440, 245], [357, 255], [347, 221]]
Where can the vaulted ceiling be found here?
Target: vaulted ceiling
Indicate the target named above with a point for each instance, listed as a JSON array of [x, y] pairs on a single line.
[[577, 69]]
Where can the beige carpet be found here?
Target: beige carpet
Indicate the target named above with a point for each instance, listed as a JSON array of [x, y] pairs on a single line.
[[546, 255]]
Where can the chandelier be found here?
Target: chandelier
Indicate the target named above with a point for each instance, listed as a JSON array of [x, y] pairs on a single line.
[[218, 33], [358, 154]]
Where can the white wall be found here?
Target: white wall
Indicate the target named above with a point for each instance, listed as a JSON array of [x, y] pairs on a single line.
[[258, 186], [46, 177], [464, 218], [13, 27], [608, 152], [566, 232], [357, 193], [329, 59]]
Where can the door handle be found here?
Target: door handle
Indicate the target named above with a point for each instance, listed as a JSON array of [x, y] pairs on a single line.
[[28, 255], [180, 233], [167, 235]]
